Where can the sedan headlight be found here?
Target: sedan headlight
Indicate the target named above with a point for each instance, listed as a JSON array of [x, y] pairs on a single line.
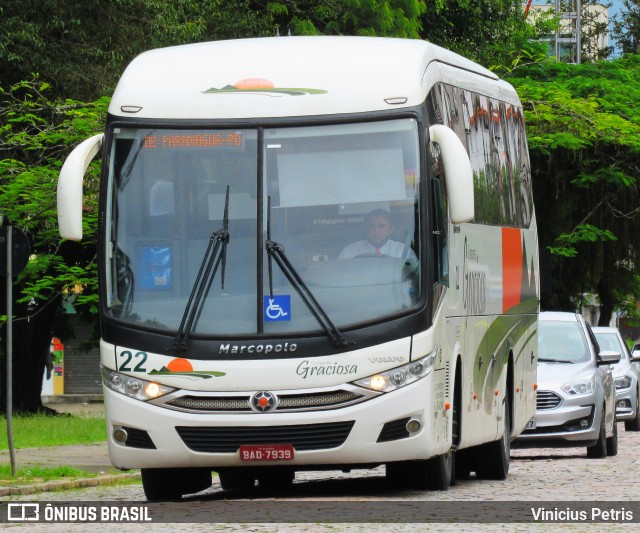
[[581, 386], [399, 377], [137, 388], [623, 382]]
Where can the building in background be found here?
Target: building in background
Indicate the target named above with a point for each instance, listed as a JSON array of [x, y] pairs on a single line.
[[583, 33]]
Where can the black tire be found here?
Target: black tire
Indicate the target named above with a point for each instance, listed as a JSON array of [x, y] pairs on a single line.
[[464, 464], [275, 477], [634, 425], [237, 479], [495, 457], [169, 484], [612, 442], [399, 474], [439, 472], [599, 449]]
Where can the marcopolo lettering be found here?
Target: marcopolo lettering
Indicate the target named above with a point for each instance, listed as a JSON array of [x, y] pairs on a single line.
[[257, 348]]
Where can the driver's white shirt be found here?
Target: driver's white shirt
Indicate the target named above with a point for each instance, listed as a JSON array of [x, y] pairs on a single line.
[[389, 248]]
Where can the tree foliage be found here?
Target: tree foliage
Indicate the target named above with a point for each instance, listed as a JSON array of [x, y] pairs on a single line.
[[396, 18], [583, 125], [81, 46], [492, 32], [626, 27], [36, 133]]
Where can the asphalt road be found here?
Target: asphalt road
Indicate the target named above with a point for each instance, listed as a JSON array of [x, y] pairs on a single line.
[[538, 478]]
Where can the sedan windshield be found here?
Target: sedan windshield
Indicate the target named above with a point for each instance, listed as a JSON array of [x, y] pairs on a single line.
[[562, 342], [338, 202]]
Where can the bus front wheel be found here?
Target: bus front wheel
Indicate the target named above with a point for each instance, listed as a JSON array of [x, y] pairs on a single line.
[[237, 479], [169, 484]]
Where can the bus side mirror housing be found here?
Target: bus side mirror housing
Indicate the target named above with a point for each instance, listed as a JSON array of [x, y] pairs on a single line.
[[70, 187], [458, 173]]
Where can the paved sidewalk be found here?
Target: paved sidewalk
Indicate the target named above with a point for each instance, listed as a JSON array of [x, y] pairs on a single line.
[[88, 457]]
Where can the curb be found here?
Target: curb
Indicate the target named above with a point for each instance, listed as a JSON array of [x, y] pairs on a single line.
[[49, 486]]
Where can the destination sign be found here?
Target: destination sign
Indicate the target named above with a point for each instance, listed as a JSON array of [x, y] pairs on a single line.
[[224, 139]]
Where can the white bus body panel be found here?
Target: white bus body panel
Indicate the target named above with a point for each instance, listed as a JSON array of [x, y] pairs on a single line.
[[188, 82]]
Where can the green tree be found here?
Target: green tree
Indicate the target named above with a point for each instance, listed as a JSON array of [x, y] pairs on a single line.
[[583, 125], [595, 30], [493, 33], [626, 27], [36, 132], [80, 47], [396, 18]]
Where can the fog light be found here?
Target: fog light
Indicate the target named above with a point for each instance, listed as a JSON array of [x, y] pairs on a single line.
[[120, 435], [584, 423], [414, 425]]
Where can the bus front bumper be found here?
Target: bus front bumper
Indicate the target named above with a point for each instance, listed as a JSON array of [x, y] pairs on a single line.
[[368, 433]]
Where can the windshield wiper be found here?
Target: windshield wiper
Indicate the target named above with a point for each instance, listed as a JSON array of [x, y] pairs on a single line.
[[215, 255], [546, 360], [275, 251]]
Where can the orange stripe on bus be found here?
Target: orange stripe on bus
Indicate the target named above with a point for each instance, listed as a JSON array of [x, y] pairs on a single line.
[[511, 268]]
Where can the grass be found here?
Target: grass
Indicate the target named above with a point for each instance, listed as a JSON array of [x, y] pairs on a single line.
[[37, 474], [33, 431]]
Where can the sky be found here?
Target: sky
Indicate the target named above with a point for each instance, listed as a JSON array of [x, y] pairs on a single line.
[[616, 6]]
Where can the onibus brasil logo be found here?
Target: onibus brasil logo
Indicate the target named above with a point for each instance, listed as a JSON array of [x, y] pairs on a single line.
[[262, 86], [182, 367]]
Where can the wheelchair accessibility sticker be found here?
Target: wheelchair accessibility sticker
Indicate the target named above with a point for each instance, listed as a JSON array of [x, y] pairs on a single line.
[[277, 308]]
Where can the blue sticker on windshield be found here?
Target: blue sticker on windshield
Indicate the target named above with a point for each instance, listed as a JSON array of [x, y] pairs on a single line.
[[277, 308]]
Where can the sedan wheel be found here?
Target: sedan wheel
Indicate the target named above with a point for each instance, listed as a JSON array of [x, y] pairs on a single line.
[[634, 425], [612, 442], [599, 449]]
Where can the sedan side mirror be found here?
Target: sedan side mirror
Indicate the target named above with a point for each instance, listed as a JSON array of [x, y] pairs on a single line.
[[635, 355], [608, 357]]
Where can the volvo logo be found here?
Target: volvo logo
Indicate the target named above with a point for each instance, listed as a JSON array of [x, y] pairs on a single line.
[[263, 402]]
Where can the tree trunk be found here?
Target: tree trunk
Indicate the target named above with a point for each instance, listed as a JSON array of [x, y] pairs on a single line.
[[607, 304]]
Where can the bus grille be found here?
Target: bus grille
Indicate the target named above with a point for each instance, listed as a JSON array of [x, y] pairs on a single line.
[[547, 400], [229, 439], [286, 402]]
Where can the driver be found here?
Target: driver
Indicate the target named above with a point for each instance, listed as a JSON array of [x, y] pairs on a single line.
[[379, 229]]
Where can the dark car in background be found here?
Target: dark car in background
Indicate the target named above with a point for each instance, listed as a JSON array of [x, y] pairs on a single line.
[[575, 403], [626, 377]]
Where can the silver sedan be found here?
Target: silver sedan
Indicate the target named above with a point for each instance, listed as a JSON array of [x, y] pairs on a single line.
[[626, 377], [575, 398]]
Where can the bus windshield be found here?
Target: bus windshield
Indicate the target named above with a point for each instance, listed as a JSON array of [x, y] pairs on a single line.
[[340, 203]]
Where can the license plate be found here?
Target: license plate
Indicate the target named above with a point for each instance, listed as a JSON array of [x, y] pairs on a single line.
[[267, 452], [531, 424]]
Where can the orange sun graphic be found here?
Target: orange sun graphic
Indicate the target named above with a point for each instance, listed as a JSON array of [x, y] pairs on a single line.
[[180, 365]]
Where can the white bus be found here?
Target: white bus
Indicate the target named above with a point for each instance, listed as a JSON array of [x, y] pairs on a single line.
[[315, 253]]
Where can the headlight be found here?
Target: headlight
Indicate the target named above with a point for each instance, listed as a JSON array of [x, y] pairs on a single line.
[[581, 386], [137, 388], [399, 377], [623, 382]]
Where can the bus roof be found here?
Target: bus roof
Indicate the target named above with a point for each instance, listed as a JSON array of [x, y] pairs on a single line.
[[282, 77]]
